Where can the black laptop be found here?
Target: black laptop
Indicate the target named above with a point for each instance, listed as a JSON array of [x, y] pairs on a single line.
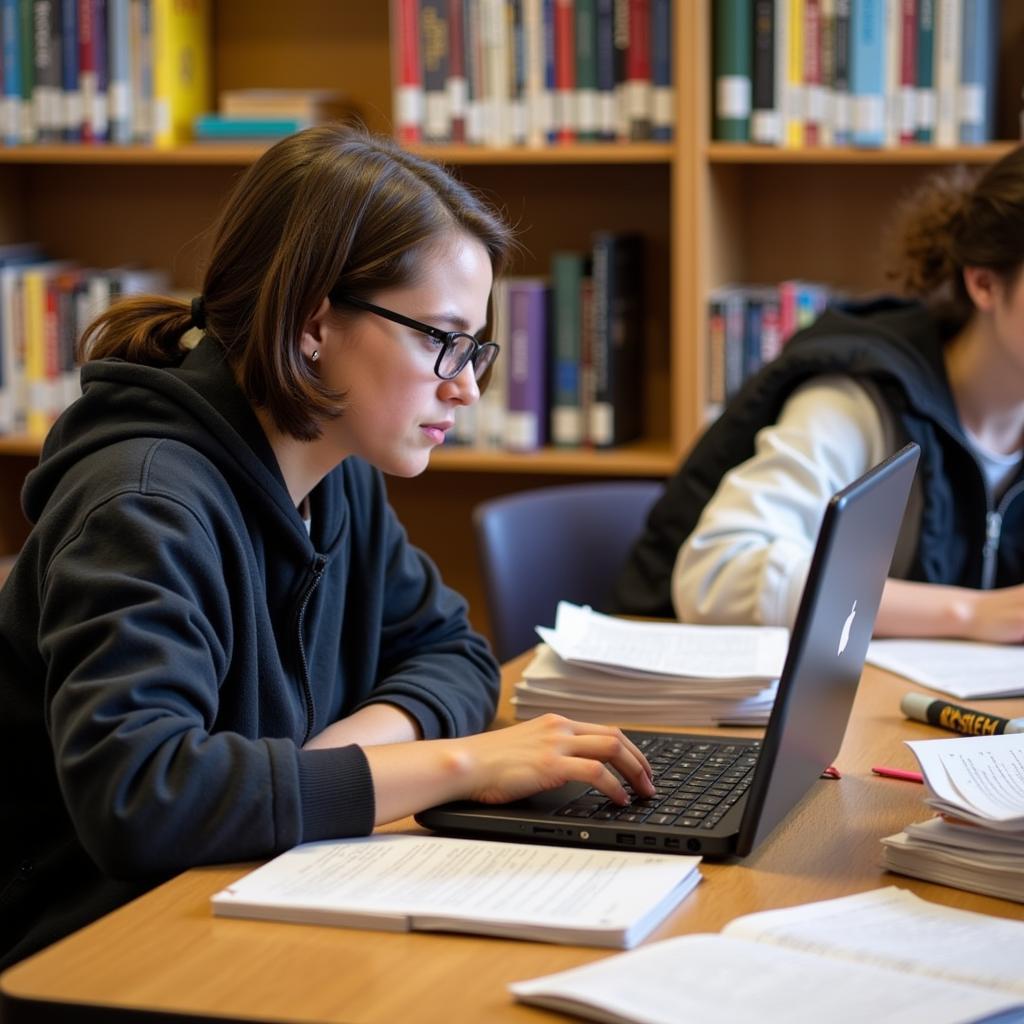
[[720, 796]]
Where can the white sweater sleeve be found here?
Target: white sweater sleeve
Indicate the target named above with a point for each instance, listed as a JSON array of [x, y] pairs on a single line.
[[748, 556]]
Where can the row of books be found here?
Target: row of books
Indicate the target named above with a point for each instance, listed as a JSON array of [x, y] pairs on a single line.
[[749, 324], [855, 72], [532, 72], [116, 71], [44, 307], [571, 368]]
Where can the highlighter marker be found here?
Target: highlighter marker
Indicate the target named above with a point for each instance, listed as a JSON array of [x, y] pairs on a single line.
[[956, 718]]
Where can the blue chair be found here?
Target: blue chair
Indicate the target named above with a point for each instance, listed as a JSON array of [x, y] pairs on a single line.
[[542, 546]]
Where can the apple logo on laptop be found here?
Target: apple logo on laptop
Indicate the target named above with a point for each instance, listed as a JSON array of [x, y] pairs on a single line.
[[844, 637]]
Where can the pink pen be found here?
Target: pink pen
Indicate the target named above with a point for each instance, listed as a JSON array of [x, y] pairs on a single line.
[[898, 773]]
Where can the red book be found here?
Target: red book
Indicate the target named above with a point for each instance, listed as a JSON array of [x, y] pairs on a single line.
[[908, 73], [405, 46], [565, 71], [458, 89], [638, 70], [813, 86]]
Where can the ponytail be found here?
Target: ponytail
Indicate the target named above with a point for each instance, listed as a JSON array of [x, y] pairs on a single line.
[[139, 329]]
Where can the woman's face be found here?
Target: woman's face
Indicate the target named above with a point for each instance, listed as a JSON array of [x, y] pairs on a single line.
[[397, 410]]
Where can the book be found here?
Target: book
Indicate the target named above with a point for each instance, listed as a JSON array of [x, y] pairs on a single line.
[[978, 54], [764, 114], [245, 128], [880, 956], [527, 358], [407, 86], [433, 22], [394, 882], [605, 57], [638, 71], [119, 73], [924, 110], [617, 349], [867, 72], [182, 57], [11, 103], [308, 105], [976, 785], [585, 42], [961, 668], [93, 69], [567, 272]]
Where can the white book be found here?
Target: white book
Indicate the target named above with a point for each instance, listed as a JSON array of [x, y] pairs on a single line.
[[960, 668], [881, 956], [401, 882], [948, 31]]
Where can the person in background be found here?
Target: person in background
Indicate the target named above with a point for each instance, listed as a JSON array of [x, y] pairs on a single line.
[[217, 642], [731, 540]]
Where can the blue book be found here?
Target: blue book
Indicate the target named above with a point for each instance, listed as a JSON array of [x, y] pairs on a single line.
[[10, 15], [663, 113], [605, 54], [924, 114], [567, 273], [71, 95], [867, 72], [978, 49], [229, 128], [548, 15], [119, 71]]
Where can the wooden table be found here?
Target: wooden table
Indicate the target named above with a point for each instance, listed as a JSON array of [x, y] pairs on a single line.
[[166, 953]]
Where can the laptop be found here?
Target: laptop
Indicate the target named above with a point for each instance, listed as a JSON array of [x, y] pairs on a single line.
[[721, 796]]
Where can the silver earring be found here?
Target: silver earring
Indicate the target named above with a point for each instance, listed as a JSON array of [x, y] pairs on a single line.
[[315, 356]]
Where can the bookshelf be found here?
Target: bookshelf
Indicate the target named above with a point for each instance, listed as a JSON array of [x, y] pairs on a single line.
[[712, 212]]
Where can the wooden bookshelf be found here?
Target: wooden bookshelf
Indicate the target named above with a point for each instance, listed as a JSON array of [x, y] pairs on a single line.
[[712, 212]]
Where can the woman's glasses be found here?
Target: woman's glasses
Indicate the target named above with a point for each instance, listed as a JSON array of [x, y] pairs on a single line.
[[457, 348]]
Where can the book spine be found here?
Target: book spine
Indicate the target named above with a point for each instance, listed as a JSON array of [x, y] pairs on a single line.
[[715, 355], [141, 64], [119, 53], [735, 307], [566, 418], [565, 72], [548, 19], [638, 70], [867, 72], [26, 46], [456, 86], [764, 113], [526, 422], [433, 27], [474, 73], [733, 57], [11, 119], [827, 35], [34, 312], [620, 46], [71, 95], [924, 105], [662, 92], [842, 112], [908, 73], [533, 46], [88, 82], [46, 70], [793, 70], [974, 109], [948, 28], [181, 67], [618, 338], [892, 35], [814, 95], [408, 78], [585, 39], [495, 59], [516, 42]]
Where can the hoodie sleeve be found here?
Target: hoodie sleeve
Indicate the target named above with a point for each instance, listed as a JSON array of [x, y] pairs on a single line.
[[748, 557], [136, 632]]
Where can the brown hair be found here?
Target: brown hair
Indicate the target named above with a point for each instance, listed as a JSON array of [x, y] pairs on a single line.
[[329, 208], [955, 220]]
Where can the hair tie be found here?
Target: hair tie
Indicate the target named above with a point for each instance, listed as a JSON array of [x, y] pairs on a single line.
[[198, 313]]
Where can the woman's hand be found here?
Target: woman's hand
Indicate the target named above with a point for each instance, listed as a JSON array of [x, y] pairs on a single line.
[[994, 616], [506, 764], [911, 609]]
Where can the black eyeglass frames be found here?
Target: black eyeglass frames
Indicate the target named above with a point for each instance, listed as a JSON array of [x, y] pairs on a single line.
[[457, 347]]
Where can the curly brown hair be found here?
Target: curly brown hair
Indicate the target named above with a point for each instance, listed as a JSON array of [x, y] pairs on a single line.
[[954, 220]]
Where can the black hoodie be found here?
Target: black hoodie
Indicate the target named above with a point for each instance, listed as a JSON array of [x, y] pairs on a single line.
[[171, 635], [898, 346]]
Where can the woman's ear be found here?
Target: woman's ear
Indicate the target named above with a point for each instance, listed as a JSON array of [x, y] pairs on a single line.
[[983, 285], [313, 331]]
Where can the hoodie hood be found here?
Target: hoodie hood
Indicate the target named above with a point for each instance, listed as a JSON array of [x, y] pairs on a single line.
[[196, 403]]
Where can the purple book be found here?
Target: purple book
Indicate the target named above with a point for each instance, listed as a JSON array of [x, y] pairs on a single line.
[[527, 366]]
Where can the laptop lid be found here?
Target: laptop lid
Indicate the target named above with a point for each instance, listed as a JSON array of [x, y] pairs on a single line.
[[828, 645]]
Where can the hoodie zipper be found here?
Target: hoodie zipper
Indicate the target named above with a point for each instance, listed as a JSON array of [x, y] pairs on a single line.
[[307, 687], [993, 532]]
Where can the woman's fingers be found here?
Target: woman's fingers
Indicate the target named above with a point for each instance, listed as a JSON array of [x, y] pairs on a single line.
[[617, 751]]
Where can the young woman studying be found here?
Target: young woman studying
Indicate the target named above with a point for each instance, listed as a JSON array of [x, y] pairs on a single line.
[[217, 642], [731, 540]]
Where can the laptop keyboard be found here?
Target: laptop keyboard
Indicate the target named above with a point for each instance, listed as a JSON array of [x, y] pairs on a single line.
[[697, 784]]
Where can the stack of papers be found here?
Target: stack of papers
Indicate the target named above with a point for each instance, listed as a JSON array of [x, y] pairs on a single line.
[[976, 783], [603, 669], [960, 668]]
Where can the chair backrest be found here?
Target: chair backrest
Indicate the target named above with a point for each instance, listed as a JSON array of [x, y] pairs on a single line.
[[543, 546]]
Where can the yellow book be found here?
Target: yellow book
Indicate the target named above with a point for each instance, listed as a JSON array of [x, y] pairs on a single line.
[[182, 57], [793, 125], [36, 379]]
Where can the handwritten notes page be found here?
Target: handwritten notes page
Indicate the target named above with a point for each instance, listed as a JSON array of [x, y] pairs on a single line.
[[958, 667]]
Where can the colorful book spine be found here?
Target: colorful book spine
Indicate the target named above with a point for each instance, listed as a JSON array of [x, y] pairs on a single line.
[[565, 72], [514, 33], [585, 40], [976, 106], [733, 57], [638, 70], [47, 83], [620, 46], [617, 349], [457, 87], [93, 69], [908, 72], [182, 74], [924, 92], [948, 29], [71, 93], [10, 106], [842, 107], [827, 35], [538, 100], [528, 360], [143, 104], [408, 77], [433, 27], [764, 113], [567, 272], [119, 85], [867, 72], [814, 85], [662, 93], [793, 104]]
